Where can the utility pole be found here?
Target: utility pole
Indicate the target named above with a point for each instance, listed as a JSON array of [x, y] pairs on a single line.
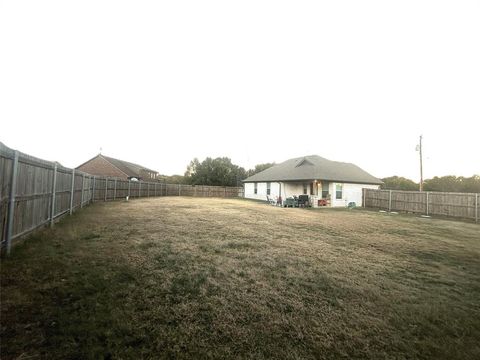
[[421, 163]]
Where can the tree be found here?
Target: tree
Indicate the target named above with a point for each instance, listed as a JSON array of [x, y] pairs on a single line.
[[173, 179], [452, 183], [192, 167], [445, 183], [448, 183], [258, 168], [215, 172], [471, 184], [398, 183]]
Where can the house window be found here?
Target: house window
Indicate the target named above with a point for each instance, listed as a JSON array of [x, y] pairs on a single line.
[[338, 191], [311, 188], [324, 189], [255, 188], [305, 189], [268, 188]]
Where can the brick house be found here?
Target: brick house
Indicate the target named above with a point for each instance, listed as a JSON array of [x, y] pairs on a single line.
[[102, 165]]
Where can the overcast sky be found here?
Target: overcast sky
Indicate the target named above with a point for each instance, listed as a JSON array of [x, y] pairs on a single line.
[[159, 83]]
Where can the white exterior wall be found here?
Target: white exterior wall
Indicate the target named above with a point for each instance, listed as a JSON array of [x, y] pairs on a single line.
[[261, 190], [351, 193], [290, 189]]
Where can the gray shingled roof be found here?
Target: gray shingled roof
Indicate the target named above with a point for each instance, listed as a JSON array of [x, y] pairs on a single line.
[[314, 167], [131, 169]]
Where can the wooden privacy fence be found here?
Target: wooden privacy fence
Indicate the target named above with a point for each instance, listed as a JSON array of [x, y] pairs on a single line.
[[35, 192], [460, 205]]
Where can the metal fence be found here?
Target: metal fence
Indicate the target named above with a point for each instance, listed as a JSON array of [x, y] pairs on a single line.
[[458, 205], [35, 192]]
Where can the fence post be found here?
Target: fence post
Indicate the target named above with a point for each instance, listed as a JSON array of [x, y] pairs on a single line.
[[72, 191], [194, 190], [179, 191], [364, 193], [427, 203], [155, 190], [106, 188], [83, 188], [476, 208], [225, 192], [89, 189], [11, 202], [54, 186], [139, 188], [128, 188], [115, 189], [148, 189], [390, 201], [93, 190]]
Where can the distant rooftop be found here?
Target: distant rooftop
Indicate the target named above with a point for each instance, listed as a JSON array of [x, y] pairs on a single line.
[[130, 169]]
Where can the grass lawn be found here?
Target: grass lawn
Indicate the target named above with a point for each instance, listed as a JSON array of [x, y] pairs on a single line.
[[183, 278]]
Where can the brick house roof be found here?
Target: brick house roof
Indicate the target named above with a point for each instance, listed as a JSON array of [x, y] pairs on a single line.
[[129, 169]]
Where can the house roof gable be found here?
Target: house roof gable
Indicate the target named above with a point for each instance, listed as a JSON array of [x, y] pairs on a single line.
[[131, 169], [128, 168]]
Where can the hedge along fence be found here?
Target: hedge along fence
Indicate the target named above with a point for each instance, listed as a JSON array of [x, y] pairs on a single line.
[[459, 205], [35, 192]]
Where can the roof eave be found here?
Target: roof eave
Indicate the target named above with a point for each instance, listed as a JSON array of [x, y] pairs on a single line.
[[319, 179], [87, 161], [115, 166]]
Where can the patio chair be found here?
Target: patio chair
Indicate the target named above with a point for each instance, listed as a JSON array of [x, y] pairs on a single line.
[[303, 201], [271, 200]]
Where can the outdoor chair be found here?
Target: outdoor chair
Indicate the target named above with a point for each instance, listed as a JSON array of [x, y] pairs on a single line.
[[271, 200], [291, 202], [303, 201]]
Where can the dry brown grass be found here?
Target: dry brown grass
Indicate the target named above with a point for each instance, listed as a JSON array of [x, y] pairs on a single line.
[[213, 278]]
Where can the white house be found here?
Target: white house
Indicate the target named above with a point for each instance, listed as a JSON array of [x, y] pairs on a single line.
[[327, 182]]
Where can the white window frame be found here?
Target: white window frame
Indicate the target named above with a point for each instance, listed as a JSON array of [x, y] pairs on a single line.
[[325, 189], [336, 191]]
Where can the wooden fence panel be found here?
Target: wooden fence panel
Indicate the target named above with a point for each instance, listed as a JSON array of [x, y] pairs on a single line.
[[409, 201], [33, 195], [452, 204], [376, 198], [77, 190], [122, 189], [142, 189], [187, 190], [62, 191], [88, 190], [99, 189], [6, 164], [460, 205]]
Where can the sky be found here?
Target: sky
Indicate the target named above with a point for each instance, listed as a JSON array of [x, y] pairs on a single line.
[[161, 82]]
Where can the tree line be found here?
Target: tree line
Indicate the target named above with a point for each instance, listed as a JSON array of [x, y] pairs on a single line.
[[218, 171], [448, 183]]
